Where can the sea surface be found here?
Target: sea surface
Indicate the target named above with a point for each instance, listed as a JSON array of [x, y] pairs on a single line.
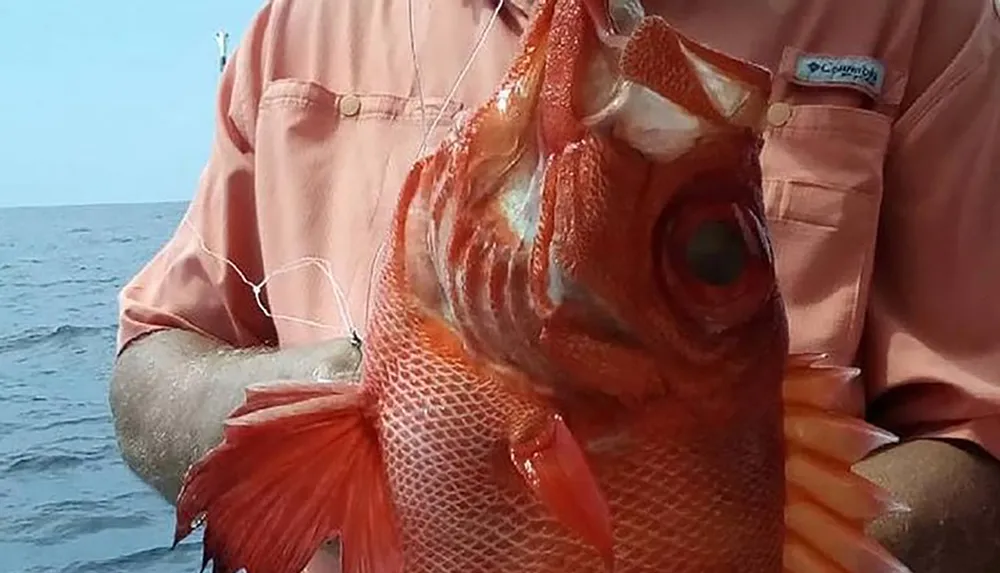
[[68, 504]]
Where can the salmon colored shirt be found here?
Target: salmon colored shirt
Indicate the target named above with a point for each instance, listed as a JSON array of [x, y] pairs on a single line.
[[319, 117]]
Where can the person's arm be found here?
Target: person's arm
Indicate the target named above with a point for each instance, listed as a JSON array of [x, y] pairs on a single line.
[[953, 488], [192, 333], [171, 391], [931, 350]]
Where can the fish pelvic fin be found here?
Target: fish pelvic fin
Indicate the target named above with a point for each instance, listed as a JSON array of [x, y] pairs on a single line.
[[299, 464], [554, 467], [827, 505]]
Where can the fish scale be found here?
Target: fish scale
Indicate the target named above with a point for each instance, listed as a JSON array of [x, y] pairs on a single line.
[[552, 388], [444, 467]]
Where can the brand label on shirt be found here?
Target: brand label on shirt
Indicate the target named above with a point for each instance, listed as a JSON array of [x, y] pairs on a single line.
[[858, 72]]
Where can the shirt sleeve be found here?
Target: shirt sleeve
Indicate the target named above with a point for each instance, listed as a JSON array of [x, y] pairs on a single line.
[[201, 280], [932, 348]]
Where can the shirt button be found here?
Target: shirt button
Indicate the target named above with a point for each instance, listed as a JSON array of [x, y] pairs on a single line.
[[779, 113], [350, 105]]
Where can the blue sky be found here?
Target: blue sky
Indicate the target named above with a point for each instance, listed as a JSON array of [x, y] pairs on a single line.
[[108, 101]]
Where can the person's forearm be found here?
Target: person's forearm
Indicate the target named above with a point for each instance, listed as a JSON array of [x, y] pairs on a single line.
[[172, 390], [953, 490]]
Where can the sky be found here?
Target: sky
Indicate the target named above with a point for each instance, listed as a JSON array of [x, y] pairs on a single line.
[[109, 101]]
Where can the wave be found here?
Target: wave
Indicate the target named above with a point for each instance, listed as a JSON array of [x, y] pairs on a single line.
[[65, 281], [64, 332], [185, 554], [82, 420], [58, 522], [55, 460]]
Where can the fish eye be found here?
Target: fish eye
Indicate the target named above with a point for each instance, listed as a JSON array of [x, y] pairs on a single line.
[[716, 253], [712, 257]]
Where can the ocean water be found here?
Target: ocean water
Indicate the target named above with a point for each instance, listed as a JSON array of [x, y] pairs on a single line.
[[68, 504]]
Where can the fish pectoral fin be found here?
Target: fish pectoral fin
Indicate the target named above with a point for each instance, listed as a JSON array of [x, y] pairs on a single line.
[[827, 505], [555, 469], [298, 464]]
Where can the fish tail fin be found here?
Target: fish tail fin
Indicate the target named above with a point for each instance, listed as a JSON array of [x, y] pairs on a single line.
[[299, 464], [827, 505], [554, 466]]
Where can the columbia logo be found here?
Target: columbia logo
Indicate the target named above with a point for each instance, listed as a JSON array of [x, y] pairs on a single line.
[[863, 73]]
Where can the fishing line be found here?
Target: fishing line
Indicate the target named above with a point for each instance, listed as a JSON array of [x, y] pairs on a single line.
[[373, 269], [415, 61], [324, 265]]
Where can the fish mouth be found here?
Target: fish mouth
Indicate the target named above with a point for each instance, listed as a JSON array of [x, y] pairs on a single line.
[[626, 93]]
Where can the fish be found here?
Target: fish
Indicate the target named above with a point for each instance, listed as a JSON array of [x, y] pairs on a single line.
[[577, 354]]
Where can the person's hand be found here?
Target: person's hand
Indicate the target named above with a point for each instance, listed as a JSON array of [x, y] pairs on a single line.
[[334, 360], [172, 390], [952, 490], [338, 359]]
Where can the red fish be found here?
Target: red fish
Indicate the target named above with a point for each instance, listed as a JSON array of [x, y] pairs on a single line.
[[577, 358]]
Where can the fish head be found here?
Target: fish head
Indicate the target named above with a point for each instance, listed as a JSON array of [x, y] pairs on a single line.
[[662, 327], [652, 254], [597, 225]]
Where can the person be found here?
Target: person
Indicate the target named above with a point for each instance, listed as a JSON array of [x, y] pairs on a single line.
[[880, 182]]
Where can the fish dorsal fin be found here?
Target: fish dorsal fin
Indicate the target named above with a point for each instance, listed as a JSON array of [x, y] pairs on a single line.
[[827, 505]]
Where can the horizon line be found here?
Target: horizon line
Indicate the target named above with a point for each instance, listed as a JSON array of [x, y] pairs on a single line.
[[91, 204]]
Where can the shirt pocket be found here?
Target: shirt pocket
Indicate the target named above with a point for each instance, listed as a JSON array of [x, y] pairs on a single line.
[[823, 176], [329, 167]]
